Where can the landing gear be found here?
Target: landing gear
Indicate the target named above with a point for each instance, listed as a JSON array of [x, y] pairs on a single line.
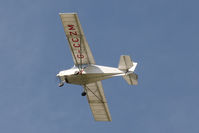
[[83, 93], [61, 84]]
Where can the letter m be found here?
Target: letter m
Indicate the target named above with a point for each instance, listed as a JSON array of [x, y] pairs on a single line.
[[71, 27]]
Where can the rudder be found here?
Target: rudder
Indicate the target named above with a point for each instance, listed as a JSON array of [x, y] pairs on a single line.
[[128, 66]]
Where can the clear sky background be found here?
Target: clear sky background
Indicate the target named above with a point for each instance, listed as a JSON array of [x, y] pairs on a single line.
[[161, 35]]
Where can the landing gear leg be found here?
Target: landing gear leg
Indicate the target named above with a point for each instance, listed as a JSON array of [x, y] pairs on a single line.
[[83, 93], [61, 84]]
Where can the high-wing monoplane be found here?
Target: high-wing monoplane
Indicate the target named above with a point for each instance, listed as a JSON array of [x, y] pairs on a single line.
[[86, 73]]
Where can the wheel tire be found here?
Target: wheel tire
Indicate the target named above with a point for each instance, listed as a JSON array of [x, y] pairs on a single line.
[[84, 93]]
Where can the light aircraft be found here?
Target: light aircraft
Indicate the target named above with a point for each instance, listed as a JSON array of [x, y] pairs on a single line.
[[86, 73]]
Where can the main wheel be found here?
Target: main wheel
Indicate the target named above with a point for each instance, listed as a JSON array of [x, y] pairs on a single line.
[[84, 93]]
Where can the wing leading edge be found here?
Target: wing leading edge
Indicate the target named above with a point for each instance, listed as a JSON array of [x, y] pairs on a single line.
[[79, 47], [97, 101]]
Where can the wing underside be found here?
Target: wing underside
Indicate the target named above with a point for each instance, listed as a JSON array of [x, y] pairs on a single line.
[[97, 101], [78, 45]]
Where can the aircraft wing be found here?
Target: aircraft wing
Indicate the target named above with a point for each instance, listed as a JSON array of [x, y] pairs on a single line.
[[78, 45], [97, 101]]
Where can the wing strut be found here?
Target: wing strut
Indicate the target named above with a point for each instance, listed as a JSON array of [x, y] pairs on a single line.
[[80, 50], [93, 93], [97, 101], [80, 57], [75, 34]]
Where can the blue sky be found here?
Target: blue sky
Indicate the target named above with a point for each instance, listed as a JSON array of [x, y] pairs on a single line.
[[161, 35]]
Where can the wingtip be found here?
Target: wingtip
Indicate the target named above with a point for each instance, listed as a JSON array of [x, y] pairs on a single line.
[[67, 13]]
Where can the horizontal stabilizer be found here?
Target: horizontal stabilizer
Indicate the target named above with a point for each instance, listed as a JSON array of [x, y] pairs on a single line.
[[131, 79]]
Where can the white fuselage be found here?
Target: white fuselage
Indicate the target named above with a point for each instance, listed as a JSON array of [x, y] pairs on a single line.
[[88, 74]]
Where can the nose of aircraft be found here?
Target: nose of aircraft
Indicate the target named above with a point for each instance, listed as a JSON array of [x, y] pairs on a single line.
[[60, 82], [59, 74]]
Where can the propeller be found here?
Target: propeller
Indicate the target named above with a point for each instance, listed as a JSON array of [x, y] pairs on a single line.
[[59, 81]]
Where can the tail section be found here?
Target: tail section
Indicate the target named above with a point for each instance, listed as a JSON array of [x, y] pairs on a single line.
[[131, 79], [128, 66], [125, 62]]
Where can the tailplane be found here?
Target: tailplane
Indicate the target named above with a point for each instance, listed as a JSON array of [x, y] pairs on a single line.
[[131, 79], [128, 66]]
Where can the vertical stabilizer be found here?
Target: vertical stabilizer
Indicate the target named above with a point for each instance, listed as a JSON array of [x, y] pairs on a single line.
[[125, 62], [128, 66]]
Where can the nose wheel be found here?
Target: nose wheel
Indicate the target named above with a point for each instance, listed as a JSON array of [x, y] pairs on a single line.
[[83, 93]]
